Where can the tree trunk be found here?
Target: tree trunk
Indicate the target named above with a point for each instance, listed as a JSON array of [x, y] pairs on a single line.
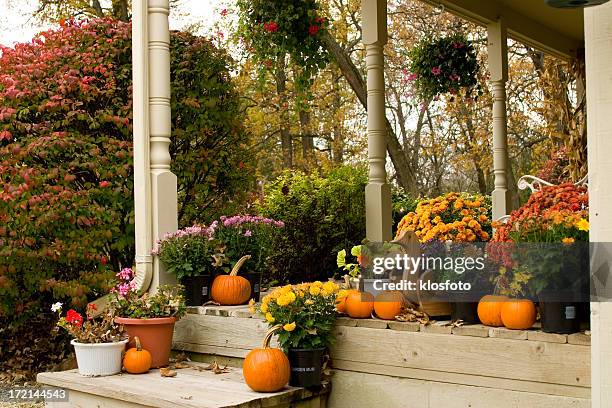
[[306, 134], [121, 10], [281, 90], [399, 158]]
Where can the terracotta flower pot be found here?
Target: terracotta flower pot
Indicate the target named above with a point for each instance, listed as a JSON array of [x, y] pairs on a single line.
[[155, 336]]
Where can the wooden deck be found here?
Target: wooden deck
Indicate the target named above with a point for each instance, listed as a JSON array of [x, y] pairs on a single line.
[[191, 388]]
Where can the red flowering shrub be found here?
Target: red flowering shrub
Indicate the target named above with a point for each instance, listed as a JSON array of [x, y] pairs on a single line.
[[66, 198]]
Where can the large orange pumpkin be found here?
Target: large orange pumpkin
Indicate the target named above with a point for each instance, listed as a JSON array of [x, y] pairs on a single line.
[[359, 304], [388, 304], [489, 310], [266, 369], [229, 290], [137, 360], [518, 314]]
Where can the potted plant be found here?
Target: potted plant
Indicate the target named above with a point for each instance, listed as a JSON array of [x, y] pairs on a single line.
[[150, 317], [451, 225], [241, 235], [98, 342], [544, 253], [189, 254], [307, 313]]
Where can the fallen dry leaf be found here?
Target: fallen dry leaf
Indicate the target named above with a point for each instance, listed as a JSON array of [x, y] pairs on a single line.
[[215, 368], [167, 372], [211, 303]]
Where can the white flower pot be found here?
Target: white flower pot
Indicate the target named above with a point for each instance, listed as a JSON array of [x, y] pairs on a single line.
[[99, 359]]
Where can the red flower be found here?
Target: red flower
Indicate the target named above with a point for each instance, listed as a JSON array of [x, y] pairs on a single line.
[[74, 317], [5, 134], [104, 184], [313, 30], [436, 70], [103, 260], [271, 27], [224, 12]]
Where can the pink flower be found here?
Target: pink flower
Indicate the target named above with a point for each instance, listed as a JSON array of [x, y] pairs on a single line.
[[248, 233], [5, 134], [104, 184], [453, 77], [436, 70], [458, 45]]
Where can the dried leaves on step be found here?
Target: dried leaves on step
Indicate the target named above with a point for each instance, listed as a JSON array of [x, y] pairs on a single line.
[[167, 372], [454, 323], [411, 314], [211, 303], [214, 367]]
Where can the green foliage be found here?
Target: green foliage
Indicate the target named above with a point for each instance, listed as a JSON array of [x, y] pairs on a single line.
[[168, 301], [66, 168], [403, 203], [188, 252], [442, 65], [322, 215], [275, 28]]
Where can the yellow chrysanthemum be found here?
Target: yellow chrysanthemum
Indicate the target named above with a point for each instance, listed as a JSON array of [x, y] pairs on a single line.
[[270, 318], [283, 300], [342, 293], [583, 225], [568, 240], [315, 290], [309, 302], [289, 327], [264, 308], [291, 297], [286, 289], [330, 287], [317, 283]]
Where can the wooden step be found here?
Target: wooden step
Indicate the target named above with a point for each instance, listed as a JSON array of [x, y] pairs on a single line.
[[191, 388]]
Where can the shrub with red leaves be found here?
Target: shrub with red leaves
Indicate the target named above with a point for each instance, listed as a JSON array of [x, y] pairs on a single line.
[[66, 192]]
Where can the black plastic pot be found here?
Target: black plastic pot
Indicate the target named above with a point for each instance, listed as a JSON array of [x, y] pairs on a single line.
[[254, 279], [306, 367], [197, 289], [559, 313], [465, 311]]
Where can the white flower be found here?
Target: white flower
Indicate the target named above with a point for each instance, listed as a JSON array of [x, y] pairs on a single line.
[[56, 307]]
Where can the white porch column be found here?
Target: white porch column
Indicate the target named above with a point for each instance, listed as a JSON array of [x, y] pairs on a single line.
[[142, 180], [163, 182], [598, 40], [498, 68], [378, 192]]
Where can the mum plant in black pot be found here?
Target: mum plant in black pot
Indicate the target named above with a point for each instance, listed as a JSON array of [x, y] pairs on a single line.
[[240, 235], [189, 254], [546, 255], [307, 313]]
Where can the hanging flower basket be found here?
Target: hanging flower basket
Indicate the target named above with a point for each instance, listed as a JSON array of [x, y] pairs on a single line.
[[442, 65]]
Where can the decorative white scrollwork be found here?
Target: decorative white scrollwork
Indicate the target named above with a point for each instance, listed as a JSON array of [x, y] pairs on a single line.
[[535, 183]]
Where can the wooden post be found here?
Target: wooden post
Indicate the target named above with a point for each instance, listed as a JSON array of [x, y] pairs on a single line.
[[142, 179], [378, 192], [498, 68], [598, 56], [163, 182]]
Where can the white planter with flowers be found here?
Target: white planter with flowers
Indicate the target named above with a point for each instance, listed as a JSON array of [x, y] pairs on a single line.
[[98, 342], [99, 359]]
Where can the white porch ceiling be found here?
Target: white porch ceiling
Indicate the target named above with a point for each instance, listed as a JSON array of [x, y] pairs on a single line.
[[559, 32]]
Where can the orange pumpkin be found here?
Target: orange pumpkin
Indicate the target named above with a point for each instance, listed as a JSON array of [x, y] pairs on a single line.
[[519, 314], [388, 304], [489, 310], [266, 369], [137, 360], [341, 302], [230, 290], [359, 304]]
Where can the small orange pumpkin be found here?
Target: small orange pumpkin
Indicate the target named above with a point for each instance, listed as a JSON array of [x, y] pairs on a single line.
[[266, 369], [137, 360], [489, 310], [519, 314], [230, 290], [388, 304], [341, 302], [359, 305]]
